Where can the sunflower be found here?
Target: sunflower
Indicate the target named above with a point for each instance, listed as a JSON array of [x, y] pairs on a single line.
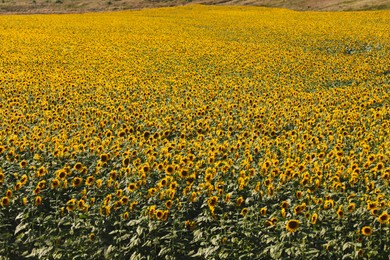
[[126, 215], [314, 218], [375, 212], [23, 164], [190, 225], [76, 181], [145, 168], [89, 181], [24, 179], [37, 190], [244, 211], [105, 210], [55, 183], [5, 201], [340, 212], [124, 200], [18, 185], [351, 207], [383, 218], [78, 166], [169, 169], [61, 174], [24, 201], [169, 204], [239, 201], [126, 161], [372, 205], [8, 193], [284, 204], [367, 231], [133, 205], [99, 183], [81, 204], [159, 214], [212, 202], [263, 211], [292, 225], [70, 205], [193, 196], [132, 187], [104, 157], [119, 193], [165, 215], [38, 200], [173, 185], [184, 173]]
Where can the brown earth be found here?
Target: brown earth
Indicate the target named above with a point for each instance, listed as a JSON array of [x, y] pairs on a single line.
[[79, 6]]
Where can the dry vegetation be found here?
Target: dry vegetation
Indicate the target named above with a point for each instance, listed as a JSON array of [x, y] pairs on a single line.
[[77, 6]]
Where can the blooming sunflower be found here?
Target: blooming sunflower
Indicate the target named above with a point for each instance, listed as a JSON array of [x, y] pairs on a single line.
[[367, 231], [383, 218], [5, 201], [292, 225]]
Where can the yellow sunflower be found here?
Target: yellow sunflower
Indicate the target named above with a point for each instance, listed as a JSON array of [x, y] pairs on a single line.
[[292, 225], [367, 231]]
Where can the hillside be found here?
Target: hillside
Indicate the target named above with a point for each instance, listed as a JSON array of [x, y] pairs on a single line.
[[77, 6]]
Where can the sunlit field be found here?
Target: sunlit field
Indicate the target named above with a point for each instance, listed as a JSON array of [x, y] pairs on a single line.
[[210, 132]]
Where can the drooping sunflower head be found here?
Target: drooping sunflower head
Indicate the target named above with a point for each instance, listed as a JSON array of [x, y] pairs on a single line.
[[314, 218], [239, 201], [55, 183], [38, 200], [263, 211], [244, 211]]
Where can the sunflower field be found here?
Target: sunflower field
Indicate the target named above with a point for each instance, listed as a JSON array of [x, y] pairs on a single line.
[[195, 132]]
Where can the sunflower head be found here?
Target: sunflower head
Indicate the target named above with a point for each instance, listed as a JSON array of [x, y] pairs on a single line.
[[38, 200], [314, 218], [292, 225], [244, 211], [77, 181], [5, 201], [55, 183], [213, 201], [367, 231], [104, 157], [159, 214], [383, 218]]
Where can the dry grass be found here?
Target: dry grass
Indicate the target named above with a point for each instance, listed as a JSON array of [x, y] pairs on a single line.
[[79, 6]]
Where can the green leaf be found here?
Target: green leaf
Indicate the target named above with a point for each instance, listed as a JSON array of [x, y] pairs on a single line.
[[164, 251], [108, 251], [139, 230], [20, 227]]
